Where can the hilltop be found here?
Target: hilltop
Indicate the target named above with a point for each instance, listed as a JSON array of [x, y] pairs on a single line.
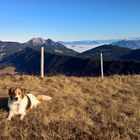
[[81, 108]]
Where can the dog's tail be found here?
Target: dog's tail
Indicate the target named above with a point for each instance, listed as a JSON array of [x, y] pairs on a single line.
[[44, 97]]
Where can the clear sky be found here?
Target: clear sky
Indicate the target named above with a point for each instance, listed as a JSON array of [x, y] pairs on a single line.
[[67, 20]]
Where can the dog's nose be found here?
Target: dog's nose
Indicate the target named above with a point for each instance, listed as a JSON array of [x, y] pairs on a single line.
[[16, 98]]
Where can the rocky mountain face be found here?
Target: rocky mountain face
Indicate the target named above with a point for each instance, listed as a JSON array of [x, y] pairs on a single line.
[[49, 46], [8, 48]]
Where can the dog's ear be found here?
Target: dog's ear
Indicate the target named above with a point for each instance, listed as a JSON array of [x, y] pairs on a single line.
[[23, 92], [10, 90]]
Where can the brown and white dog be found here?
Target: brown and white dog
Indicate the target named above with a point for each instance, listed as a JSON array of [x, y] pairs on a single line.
[[20, 101]]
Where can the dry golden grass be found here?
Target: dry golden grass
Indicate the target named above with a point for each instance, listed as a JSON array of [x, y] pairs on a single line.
[[81, 108]]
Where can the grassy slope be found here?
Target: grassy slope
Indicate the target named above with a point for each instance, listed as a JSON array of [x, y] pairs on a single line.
[[82, 108]]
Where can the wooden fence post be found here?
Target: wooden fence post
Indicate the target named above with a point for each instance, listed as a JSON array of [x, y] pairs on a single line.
[[102, 71], [42, 62]]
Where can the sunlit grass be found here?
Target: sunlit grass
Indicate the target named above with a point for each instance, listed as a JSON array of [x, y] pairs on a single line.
[[81, 108]]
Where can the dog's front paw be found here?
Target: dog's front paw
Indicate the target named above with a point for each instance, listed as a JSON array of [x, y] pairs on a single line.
[[9, 118], [22, 116]]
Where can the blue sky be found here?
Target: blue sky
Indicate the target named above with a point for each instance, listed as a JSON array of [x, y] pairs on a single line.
[[69, 20]]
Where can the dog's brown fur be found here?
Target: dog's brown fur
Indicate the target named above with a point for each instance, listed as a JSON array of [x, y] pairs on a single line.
[[13, 91]]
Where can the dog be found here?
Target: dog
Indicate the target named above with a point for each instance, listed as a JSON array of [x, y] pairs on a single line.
[[20, 101]]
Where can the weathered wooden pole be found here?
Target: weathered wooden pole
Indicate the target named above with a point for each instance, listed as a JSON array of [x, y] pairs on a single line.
[[42, 62], [102, 71]]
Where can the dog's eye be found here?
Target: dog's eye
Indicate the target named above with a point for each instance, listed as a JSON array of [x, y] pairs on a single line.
[[11, 97]]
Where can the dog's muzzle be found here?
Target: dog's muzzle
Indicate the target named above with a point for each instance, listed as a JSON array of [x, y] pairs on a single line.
[[16, 98]]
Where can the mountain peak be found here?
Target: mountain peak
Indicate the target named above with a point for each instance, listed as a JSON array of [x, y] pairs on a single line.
[[49, 46], [49, 40], [36, 41]]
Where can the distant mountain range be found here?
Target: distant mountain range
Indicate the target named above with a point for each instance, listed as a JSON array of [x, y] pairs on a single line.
[[133, 43], [7, 48], [25, 57], [88, 42], [67, 48], [81, 46]]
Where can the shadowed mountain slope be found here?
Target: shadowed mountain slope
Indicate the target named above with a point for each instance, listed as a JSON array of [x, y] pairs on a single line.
[[28, 61], [112, 52]]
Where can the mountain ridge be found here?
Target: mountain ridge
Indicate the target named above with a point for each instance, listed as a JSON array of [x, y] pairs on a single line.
[[7, 48], [129, 43], [28, 62], [110, 52]]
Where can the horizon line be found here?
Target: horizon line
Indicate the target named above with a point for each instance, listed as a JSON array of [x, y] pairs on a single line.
[[121, 38]]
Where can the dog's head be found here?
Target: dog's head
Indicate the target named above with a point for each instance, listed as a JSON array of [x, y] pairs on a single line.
[[16, 94]]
